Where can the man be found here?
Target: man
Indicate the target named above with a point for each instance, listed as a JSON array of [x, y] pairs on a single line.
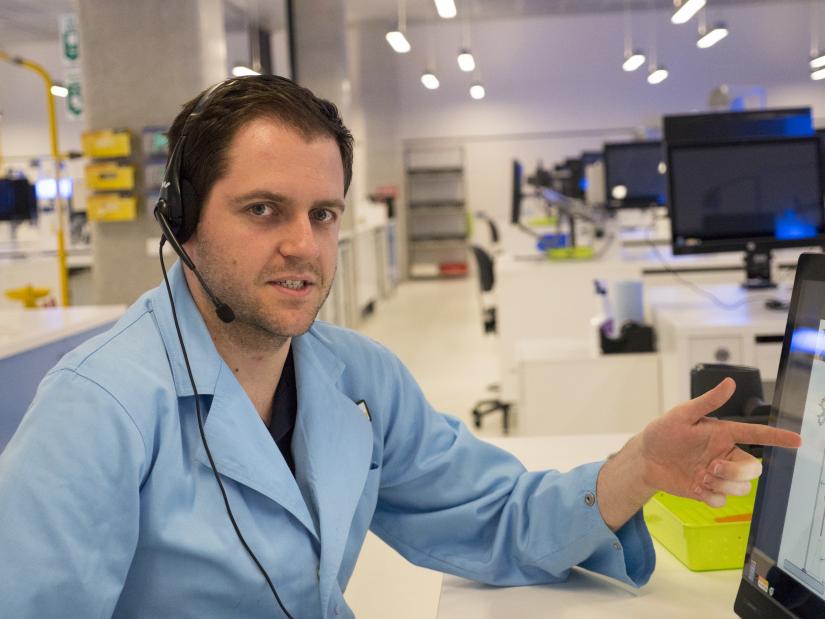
[[109, 505]]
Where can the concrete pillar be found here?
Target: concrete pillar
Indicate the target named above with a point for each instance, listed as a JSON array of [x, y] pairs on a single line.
[[141, 61]]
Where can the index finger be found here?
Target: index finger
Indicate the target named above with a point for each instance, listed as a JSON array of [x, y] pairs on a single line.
[[756, 434], [693, 410]]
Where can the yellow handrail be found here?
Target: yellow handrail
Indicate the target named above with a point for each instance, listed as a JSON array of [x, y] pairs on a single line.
[[58, 159]]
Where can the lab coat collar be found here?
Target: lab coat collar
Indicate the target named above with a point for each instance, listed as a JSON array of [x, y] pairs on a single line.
[[203, 356], [332, 447]]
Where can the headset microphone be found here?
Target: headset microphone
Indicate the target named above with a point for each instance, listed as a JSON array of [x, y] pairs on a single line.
[[223, 311]]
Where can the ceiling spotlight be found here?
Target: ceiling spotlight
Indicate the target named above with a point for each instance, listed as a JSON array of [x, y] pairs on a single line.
[[819, 74], [398, 42], [818, 61], [712, 37], [466, 62], [657, 75], [59, 91], [686, 10], [240, 70], [477, 91], [446, 8], [429, 80], [633, 61]]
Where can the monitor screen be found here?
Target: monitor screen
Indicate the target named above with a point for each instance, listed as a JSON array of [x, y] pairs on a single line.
[[634, 174], [18, 201], [515, 207], [725, 196], [784, 566]]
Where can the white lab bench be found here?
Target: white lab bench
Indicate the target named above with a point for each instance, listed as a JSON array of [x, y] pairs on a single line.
[[673, 591], [32, 342]]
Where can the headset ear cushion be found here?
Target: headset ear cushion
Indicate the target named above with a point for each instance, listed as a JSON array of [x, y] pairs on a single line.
[[190, 204]]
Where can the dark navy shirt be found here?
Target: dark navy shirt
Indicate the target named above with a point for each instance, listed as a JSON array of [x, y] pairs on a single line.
[[285, 411]]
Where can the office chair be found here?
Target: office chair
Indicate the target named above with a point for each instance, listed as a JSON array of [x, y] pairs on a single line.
[[486, 280]]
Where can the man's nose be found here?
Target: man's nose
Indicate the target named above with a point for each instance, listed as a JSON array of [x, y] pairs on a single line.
[[299, 240]]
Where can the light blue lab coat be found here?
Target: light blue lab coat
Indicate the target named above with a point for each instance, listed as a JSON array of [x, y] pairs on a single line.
[[108, 506]]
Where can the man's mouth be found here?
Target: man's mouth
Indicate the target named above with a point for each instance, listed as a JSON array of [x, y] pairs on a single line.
[[292, 284]]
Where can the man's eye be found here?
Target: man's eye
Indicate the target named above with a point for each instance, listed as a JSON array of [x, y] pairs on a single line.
[[259, 209], [325, 215]]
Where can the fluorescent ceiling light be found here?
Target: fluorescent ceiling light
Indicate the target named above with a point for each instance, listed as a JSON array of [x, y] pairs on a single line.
[[712, 37], [429, 80], [657, 75], [59, 91], [477, 91], [466, 62], [819, 74], [398, 41], [817, 62], [445, 8], [240, 70], [688, 9], [634, 61]]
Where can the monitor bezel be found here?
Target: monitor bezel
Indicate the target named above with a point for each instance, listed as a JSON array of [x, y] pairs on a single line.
[[810, 267], [741, 243]]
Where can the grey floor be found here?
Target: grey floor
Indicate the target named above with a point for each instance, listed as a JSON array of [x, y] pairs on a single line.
[[434, 327]]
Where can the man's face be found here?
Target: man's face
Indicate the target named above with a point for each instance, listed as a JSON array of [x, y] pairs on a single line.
[[267, 239]]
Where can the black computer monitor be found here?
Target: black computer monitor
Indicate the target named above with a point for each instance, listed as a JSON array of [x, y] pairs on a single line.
[[784, 574], [18, 200], [750, 196], [733, 126], [572, 184], [633, 174], [515, 204]]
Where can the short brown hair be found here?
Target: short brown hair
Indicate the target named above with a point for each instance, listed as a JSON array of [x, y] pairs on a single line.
[[239, 101]]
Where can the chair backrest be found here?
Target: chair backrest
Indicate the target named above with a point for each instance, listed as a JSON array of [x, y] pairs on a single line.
[[485, 268], [493, 231]]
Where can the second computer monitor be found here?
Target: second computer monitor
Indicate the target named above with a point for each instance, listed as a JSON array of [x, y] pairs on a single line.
[[634, 174], [735, 196]]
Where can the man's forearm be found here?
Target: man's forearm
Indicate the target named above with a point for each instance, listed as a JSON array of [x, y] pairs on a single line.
[[620, 488]]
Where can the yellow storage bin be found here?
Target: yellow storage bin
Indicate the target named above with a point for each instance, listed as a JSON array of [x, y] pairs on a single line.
[[106, 144], [702, 537], [110, 177], [111, 207]]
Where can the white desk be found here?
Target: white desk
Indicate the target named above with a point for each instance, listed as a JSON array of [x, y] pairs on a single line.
[[692, 329], [673, 591], [31, 343]]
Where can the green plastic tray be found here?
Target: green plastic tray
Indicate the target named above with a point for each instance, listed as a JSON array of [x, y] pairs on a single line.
[[693, 533]]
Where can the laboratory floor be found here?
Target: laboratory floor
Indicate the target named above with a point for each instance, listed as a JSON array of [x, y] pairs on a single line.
[[434, 326]]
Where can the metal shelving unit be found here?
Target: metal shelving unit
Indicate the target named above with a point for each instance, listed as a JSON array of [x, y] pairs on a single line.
[[436, 217]]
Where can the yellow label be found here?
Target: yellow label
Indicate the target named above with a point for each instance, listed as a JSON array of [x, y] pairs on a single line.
[[106, 144], [111, 207]]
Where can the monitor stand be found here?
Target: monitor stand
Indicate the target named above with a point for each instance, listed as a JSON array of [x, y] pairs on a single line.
[[758, 269]]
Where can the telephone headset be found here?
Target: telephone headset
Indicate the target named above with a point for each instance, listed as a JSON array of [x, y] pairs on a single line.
[[177, 211]]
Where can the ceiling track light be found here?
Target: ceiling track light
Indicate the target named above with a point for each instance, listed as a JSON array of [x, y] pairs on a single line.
[[240, 70], [817, 60], [396, 38], [446, 8], [477, 91], [429, 80], [466, 62], [398, 42], [657, 75], [633, 61], [819, 74], [686, 10], [712, 37]]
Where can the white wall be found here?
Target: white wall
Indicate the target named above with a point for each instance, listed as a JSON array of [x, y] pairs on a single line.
[[559, 80]]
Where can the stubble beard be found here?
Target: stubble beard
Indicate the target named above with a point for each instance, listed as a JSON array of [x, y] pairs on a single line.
[[252, 328]]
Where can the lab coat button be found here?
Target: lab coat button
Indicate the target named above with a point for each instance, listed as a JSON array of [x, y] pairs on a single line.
[[590, 499], [617, 546]]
